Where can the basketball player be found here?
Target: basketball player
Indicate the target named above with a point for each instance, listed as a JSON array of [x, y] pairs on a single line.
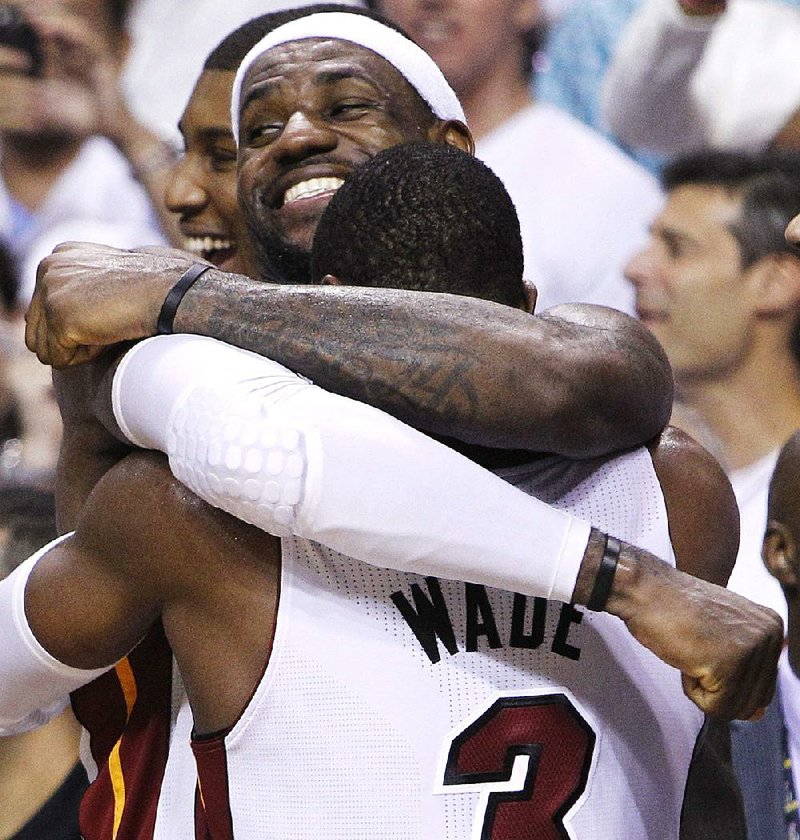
[[214, 633], [471, 620]]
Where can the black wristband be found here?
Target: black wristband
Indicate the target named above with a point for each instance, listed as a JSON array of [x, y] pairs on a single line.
[[166, 318], [604, 578]]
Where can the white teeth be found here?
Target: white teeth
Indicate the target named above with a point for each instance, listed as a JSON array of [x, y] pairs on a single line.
[[205, 244], [311, 188]]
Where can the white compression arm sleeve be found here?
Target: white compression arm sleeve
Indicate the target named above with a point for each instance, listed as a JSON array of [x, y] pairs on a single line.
[[34, 686], [255, 439]]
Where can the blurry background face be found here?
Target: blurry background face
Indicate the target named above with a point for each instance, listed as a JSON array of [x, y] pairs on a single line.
[[97, 14], [468, 39], [691, 290]]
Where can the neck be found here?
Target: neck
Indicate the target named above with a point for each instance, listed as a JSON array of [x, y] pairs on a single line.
[[493, 100], [30, 166], [750, 411]]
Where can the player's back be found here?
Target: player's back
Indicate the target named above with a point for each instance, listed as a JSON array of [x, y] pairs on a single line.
[[413, 708]]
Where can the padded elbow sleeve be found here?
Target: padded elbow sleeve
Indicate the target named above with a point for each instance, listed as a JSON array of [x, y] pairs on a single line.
[[256, 440], [34, 686]]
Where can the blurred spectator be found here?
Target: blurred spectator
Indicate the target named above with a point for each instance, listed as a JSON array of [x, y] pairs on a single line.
[[576, 56], [681, 81], [41, 780], [766, 753], [719, 287], [549, 162], [60, 178], [30, 424]]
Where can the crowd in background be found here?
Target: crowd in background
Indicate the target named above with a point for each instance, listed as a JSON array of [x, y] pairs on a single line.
[[652, 150]]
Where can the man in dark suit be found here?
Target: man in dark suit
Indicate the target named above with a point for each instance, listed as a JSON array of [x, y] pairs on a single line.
[[766, 752]]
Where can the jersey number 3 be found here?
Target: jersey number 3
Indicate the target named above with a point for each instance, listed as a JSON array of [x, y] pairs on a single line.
[[559, 745]]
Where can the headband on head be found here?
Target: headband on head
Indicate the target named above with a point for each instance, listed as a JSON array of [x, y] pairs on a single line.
[[411, 61]]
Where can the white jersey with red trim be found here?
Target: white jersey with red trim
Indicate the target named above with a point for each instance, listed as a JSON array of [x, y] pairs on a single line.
[[397, 706]]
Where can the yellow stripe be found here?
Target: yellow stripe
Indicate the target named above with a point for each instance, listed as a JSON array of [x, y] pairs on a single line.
[[128, 684]]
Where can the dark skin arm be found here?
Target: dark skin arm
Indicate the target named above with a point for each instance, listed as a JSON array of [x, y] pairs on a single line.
[[133, 559], [725, 646], [702, 510], [578, 380]]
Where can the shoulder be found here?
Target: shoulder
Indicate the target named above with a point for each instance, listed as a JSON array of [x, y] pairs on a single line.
[[142, 520], [703, 516]]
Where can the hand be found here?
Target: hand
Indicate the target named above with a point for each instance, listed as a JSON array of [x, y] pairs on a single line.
[[699, 8], [89, 297], [725, 646]]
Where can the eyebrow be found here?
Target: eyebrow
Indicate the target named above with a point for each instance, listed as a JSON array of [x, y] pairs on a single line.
[[324, 76], [211, 132], [673, 235]]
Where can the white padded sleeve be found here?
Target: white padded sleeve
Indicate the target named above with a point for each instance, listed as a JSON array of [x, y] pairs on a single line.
[[34, 686], [253, 438]]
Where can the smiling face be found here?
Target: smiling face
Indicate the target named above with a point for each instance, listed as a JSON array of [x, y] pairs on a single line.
[[691, 288], [312, 111], [202, 186]]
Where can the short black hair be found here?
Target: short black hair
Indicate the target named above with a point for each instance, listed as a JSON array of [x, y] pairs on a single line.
[[767, 183], [423, 217], [230, 52]]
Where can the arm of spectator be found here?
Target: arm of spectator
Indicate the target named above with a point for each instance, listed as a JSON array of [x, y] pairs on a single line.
[[255, 440], [646, 97], [578, 380], [697, 75]]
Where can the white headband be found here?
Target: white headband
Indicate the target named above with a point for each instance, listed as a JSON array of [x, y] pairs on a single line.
[[418, 68]]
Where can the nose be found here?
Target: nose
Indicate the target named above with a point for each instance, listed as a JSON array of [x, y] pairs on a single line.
[[184, 194], [640, 267], [793, 232], [303, 137]]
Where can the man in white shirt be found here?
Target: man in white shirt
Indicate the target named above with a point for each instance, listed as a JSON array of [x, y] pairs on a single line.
[[719, 287], [556, 169]]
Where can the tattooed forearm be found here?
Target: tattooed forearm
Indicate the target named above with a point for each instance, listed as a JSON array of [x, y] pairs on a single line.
[[450, 365]]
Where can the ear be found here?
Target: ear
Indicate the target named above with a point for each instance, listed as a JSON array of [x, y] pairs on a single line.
[[531, 293], [779, 552], [331, 280], [776, 284], [453, 133]]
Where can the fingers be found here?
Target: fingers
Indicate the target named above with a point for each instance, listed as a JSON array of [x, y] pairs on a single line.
[[745, 690]]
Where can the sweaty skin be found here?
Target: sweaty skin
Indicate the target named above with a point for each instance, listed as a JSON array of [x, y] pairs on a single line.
[[138, 514], [591, 384], [578, 380]]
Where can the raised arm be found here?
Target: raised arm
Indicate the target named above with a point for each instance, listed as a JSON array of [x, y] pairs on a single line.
[[692, 74], [578, 381]]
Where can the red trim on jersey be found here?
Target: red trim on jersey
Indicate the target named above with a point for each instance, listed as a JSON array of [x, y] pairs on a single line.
[[127, 713], [213, 817]]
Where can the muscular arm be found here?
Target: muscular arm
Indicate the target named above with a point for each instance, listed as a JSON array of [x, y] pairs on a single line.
[[134, 559], [254, 439], [703, 515], [578, 380]]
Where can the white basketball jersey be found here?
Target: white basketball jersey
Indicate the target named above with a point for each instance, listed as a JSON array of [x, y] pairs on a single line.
[[407, 708]]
